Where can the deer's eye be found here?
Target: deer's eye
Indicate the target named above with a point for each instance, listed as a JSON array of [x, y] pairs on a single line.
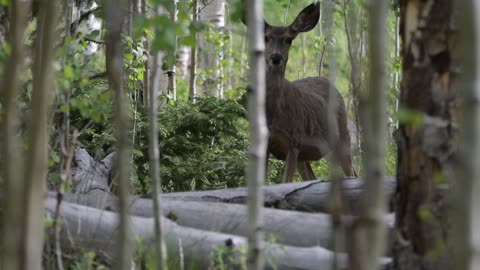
[[267, 39], [289, 40]]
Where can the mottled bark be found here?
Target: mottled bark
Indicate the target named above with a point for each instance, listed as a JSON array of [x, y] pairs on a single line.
[[425, 135]]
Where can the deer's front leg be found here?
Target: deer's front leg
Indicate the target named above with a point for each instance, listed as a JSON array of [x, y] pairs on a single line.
[[305, 170], [290, 164]]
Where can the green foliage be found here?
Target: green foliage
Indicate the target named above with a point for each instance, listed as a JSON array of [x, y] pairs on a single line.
[[202, 145]]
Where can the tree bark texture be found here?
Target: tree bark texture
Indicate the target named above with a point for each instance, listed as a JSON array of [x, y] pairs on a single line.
[[306, 196], [94, 229], [256, 169], [288, 228], [37, 159], [11, 229], [115, 14], [425, 135], [154, 155]]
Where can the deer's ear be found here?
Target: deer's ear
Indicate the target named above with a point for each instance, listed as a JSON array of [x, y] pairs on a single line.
[[267, 26], [307, 19]]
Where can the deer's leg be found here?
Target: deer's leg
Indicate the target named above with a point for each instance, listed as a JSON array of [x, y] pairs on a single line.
[[344, 157], [305, 170], [290, 164]]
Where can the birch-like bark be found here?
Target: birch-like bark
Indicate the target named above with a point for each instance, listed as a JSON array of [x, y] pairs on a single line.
[[154, 152], [114, 14], [9, 161], [258, 134], [213, 12], [37, 159], [172, 87], [374, 126], [192, 92], [466, 212]]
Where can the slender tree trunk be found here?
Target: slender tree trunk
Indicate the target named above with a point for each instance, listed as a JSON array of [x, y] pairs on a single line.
[[115, 14], [354, 31], [396, 74], [285, 13], [336, 193], [66, 150], [192, 93], [154, 151], [466, 212], [258, 134], [374, 126], [172, 87], [320, 35], [146, 73], [425, 137], [210, 56], [12, 218], [37, 160]]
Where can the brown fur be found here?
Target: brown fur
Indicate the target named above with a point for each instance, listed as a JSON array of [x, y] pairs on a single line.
[[297, 111]]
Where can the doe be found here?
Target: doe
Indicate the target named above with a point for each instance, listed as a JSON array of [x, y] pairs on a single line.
[[297, 112]]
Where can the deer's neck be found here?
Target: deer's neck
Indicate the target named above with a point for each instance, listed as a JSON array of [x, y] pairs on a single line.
[[275, 84]]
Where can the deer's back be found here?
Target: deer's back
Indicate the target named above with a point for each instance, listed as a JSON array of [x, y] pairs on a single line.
[[301, 119]]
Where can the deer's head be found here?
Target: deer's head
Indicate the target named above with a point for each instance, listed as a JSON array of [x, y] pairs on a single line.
[[278, 39]]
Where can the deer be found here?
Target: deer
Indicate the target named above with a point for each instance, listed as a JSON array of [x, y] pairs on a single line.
[[297, 112]]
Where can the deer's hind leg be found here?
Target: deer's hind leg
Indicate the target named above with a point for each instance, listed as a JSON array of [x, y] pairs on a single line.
[[343, 155], [305, 170], [290, 164]]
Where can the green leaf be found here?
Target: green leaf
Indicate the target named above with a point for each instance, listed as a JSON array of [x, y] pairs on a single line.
[[190, 40], [129, 56], [68, 71]]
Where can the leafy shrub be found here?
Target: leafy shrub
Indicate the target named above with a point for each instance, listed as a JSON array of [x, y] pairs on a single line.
[[202, 145]]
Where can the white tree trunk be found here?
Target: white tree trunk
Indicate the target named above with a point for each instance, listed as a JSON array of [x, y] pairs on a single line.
[[158, 77], [212, 12], [154, 154], [258, 134], [192, 86]]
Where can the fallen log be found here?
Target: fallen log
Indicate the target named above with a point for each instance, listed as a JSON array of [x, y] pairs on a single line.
[[286, 227], [309, 196], [89, 228]]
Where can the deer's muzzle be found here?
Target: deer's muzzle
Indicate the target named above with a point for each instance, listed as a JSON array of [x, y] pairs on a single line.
[[276, 59]]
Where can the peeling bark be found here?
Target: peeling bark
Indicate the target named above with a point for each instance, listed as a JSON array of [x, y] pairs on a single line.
[[425, 149]]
